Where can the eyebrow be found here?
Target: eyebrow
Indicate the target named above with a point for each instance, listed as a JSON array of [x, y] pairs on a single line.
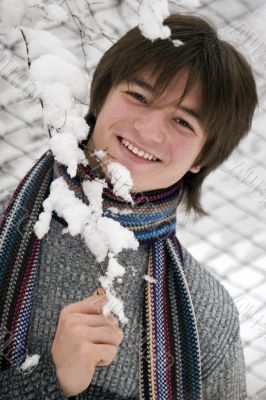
[[146, 86], [190, 111]]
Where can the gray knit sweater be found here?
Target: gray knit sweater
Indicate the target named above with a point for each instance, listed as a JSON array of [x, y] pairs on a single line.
[[67, 272]]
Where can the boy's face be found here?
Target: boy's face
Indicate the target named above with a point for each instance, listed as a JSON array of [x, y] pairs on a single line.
[[166, 138]]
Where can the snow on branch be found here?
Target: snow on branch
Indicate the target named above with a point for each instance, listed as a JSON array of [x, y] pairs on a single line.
[[102, 235], [63, 87], [61, 82]]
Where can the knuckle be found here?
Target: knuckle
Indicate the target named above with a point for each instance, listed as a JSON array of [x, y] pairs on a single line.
[[113, 352], [121, 333], [97, 304], [115, 333], [109, 330], [112, 321], [110, 354]]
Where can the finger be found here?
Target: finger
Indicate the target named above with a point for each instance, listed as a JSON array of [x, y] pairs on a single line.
[[105, 335], [105, 354], [90, 305], [94, 320]]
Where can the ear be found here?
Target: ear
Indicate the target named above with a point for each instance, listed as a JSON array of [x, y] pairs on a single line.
[[195, 170]]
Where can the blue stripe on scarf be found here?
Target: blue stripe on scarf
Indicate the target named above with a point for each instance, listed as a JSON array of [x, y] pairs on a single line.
[[148, 235], [139, 219]]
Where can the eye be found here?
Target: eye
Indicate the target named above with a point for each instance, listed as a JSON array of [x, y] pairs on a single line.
[[137, 96], [183, 123]]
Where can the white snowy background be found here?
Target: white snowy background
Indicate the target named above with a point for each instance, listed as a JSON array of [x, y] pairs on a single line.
[[231, 241]]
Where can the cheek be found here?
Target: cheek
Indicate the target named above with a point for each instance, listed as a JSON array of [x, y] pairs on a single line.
[[184, 151], [182, 146], [103, 122], [111, 115]]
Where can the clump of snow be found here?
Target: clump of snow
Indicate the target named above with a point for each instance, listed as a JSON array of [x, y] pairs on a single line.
[[59, 111], [115, 235], [50, 68], [115, 210], [12, 12], [30, 361], [177, 42], [63, 201], [114, 270], [192, 3], [99, 153], [66, 151], [149, 279], [42, 42], [56, 13], [93, 191], [151, 16], [121, 180], [113, 304]]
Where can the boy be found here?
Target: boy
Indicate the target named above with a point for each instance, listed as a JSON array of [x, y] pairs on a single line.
[[171, 111]]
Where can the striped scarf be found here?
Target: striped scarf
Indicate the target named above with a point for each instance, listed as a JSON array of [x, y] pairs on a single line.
[[170, 365]]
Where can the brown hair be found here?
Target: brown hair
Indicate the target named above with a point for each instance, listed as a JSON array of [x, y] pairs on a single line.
[[228, 87]]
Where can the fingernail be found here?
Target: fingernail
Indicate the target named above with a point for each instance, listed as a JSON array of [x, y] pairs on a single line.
[[99, 292]]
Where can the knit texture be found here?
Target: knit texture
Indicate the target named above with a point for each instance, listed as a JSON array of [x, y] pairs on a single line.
[[166, 252]]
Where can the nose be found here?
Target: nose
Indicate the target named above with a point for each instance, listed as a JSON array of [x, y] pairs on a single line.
[[151, 125]]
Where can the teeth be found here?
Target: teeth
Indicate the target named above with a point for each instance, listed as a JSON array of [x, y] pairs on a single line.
[[138, 152]]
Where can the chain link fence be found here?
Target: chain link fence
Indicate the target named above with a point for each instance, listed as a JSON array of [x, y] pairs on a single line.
[[231, 240]]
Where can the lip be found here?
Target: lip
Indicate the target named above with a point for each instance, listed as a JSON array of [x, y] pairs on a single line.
[[131, 155]]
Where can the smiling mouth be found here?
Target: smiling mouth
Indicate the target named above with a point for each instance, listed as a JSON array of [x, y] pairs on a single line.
[[138, 152]]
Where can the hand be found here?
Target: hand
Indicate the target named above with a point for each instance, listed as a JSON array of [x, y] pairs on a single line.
[[84, 339]]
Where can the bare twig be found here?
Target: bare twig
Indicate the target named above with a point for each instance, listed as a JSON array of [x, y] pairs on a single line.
[[27, 47]]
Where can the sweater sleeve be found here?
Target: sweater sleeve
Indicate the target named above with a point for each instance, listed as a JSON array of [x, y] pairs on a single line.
[[228, 380], [39, 382]]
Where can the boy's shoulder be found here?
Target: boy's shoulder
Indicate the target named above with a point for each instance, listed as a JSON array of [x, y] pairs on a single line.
[[216, 313]]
